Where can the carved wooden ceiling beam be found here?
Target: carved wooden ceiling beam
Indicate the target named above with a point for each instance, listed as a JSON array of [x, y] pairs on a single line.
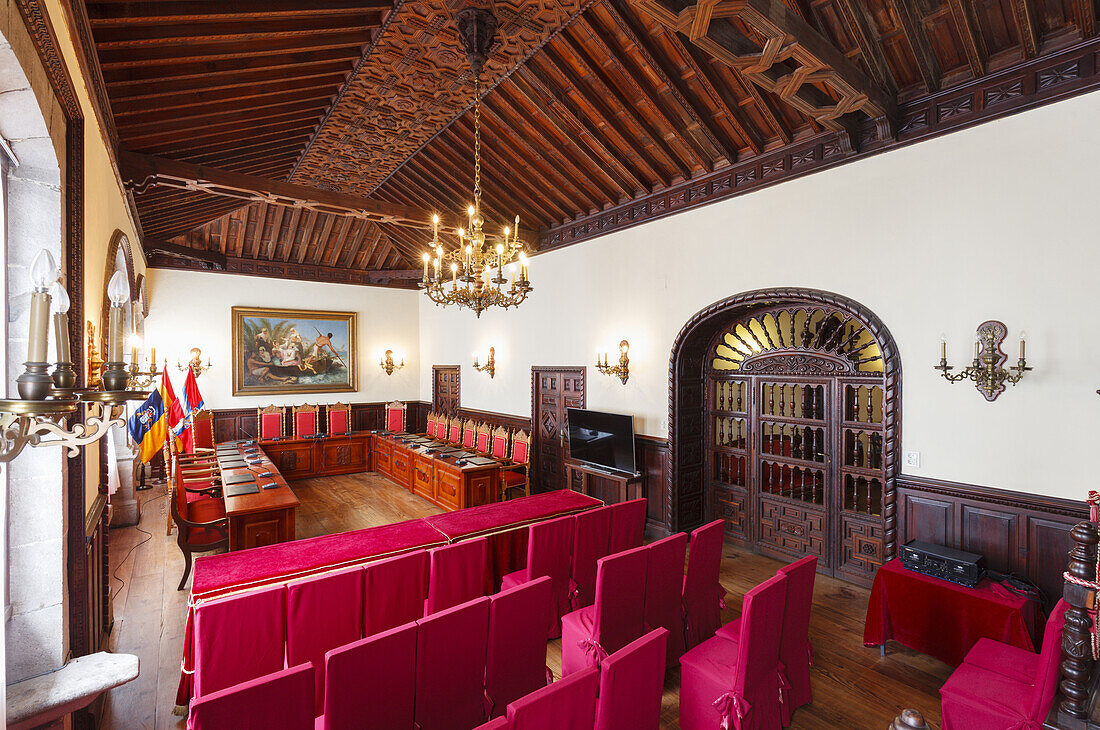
[[793, 62]]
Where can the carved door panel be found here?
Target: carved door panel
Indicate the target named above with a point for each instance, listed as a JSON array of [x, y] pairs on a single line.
[[445, 389], [553, 391]]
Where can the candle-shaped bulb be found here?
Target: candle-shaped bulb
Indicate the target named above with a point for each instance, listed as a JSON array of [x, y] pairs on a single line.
[[454, 267], [500, 249], [507, 231], [1023, 344], [426, 257], [470, 210], [943, 346], [435, 220], [624, 347], [118, 289], [43, 271], [469, 249], [59, 299]]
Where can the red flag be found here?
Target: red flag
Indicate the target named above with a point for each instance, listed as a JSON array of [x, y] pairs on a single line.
[[190, 404], [176, 416]]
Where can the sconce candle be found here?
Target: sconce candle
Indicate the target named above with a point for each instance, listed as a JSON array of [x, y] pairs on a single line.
[[64, 376], [490, 365], [118, 291], [987, 371], [34, 383]]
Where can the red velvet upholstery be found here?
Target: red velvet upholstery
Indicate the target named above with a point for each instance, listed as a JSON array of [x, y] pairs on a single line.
[[271, 426], [339, 421], [702, 593], [497, 723], [305, 424], [590, 544], [395, 418], [519, 452], [1005, 659], [975, 698], [627, 526], [515, 661], [500, 446], [455, 434], [323, 613], [549, 553], [281, 699], [482, 445], [441, 429], [457, 574], [394, 591], [568, 703], [631, 683], [371, 683], [736, 685], [431, 424], [469, 434], [513, 478], [663, 584], [589, 634], [240, 638], [201, 508], [203, 430], [450, 667]]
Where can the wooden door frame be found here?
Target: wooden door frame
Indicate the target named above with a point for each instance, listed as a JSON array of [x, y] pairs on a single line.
[[458, 369], [685, 491], [581, 370]]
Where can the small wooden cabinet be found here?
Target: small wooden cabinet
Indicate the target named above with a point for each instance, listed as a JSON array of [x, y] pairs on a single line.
[[611, 487]]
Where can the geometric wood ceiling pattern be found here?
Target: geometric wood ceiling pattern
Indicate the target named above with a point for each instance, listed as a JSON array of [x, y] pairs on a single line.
[[613, 107]]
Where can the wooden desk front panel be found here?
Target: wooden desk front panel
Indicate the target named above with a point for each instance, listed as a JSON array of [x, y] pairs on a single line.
[[424, 477], [261, 528], [438, 481], [345, 455], [382, 455], [401, 470], [294, 460]]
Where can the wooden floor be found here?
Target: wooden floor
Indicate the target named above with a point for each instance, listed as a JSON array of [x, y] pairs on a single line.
[[853, 687]]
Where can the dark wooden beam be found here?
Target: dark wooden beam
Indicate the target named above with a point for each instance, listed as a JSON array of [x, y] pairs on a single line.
[[154, 246], [971, 37], [1084, 12], [128, 14], [870, 46], [1026, 26], [914, 33]]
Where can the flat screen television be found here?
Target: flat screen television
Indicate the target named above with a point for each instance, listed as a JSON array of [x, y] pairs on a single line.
[[602, 439]]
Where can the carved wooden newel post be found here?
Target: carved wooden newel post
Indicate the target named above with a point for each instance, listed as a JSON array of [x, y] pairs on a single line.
[[1077, 661]]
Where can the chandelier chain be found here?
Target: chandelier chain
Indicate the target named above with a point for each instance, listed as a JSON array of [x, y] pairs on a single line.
[[477, 144]]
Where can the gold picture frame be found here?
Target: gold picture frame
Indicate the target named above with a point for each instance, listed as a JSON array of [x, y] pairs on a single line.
[[272, 357]]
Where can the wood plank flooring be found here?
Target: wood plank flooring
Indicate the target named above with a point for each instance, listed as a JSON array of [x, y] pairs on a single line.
[[853, 687]]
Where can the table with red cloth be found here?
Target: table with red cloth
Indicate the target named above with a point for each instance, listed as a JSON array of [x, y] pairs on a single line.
[[217, 576], [944, 619]]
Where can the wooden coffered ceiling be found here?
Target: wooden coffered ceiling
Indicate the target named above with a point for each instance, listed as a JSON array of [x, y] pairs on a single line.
[[589, 106]]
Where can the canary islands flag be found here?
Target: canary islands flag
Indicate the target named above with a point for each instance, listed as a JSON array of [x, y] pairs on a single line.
[[148, 426]]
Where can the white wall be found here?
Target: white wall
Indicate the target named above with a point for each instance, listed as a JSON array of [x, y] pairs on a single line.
[[996, 222], [192, 309]]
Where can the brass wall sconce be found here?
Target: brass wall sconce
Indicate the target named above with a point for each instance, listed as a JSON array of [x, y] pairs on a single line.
[[195, 363], [490, 365], [387, 363], [987, 370], [622, 370], [140, 378]]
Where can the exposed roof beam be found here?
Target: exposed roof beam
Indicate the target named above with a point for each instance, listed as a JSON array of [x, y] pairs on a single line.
[[151, 246], [973, 43], [1084, 12], [1024, 15], [914, 33]]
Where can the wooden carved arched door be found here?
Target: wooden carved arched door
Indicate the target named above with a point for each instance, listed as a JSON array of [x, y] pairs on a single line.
[[794, 432]]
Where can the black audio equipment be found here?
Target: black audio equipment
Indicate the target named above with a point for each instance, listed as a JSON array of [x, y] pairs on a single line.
[[957, 566]]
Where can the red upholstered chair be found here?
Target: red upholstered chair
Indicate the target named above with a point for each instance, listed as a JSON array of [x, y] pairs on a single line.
[[371, 683], [515, 661], [588, 635], [627, 526], [203, 431], [450, 667], [723, 684], [305, 421], [549, 553], [702, 592], [432, 418], [516, 475], [323, 613], [395, 416], [498, 723], [271, 421], [481, 444], [978, 698], [281, 699], [568, 703], [240, 638], [339, 419], [393, 591], [631, 683], [663, 585], [498, 447], [589, 545], [441, 428], [469, 434], [457, 574], [198, 511], [795, 651], [454, 430]]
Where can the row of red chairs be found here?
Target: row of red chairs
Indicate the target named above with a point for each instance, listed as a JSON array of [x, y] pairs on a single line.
[[755, 671]]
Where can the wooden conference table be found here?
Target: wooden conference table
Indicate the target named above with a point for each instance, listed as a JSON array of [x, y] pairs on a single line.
[[262, 518]]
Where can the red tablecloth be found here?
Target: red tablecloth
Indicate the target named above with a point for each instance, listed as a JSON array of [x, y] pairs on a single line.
[[217, 576], [943, 619]]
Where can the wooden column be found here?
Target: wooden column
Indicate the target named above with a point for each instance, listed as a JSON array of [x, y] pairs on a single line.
[[1077, 661]]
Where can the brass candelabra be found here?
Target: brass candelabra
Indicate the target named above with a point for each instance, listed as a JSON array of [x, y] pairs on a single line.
[[987, 370], [490, 365], [622, 370]]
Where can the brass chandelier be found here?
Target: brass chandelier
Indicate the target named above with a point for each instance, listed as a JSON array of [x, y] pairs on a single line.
[[472, 275]]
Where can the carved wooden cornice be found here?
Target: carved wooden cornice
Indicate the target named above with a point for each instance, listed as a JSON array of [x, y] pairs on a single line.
[[393, 278]]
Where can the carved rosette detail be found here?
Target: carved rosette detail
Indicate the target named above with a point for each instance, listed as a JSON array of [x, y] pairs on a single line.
[[796, 364]]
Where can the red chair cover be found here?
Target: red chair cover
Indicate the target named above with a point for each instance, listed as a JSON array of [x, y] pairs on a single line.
[[323, 613], [371, 683], [589, 545], [515, 661], [616, 619], [702, 593], [305, 423], [663, 583], [975, 698], [569, 703], [627, 526], [338, 422], [457, 574], [239, 638], [549, 553], [736, 686], [271, 426], [499, 723], [631, 683], [450, 667], [282, 700], [394, 591]]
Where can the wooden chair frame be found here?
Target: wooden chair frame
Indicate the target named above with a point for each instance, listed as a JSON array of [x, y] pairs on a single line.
[[204, 420], [521, 467], [306, 408], [329, 410], [220, 525], [267, 410]]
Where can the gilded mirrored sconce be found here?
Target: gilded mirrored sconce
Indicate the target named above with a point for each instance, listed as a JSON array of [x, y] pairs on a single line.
[[987, 370], [388, 365], [622, 370], [490, 365], [195, 363]]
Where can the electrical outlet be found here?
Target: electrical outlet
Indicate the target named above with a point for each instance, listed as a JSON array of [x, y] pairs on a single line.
[[912, 458]]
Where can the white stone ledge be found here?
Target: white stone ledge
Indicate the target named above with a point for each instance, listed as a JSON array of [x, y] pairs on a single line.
[[43, 699]]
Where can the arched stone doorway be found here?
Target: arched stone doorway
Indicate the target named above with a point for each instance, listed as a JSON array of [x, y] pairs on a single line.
[[784, 420]]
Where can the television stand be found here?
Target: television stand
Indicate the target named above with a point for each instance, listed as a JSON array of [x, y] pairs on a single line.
[[609, 485]]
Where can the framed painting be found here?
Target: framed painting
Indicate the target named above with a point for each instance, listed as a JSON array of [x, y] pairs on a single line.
[[289, 351]]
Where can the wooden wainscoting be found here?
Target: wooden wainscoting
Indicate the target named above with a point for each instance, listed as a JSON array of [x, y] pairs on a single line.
[[240, 423], [1017, 532]]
